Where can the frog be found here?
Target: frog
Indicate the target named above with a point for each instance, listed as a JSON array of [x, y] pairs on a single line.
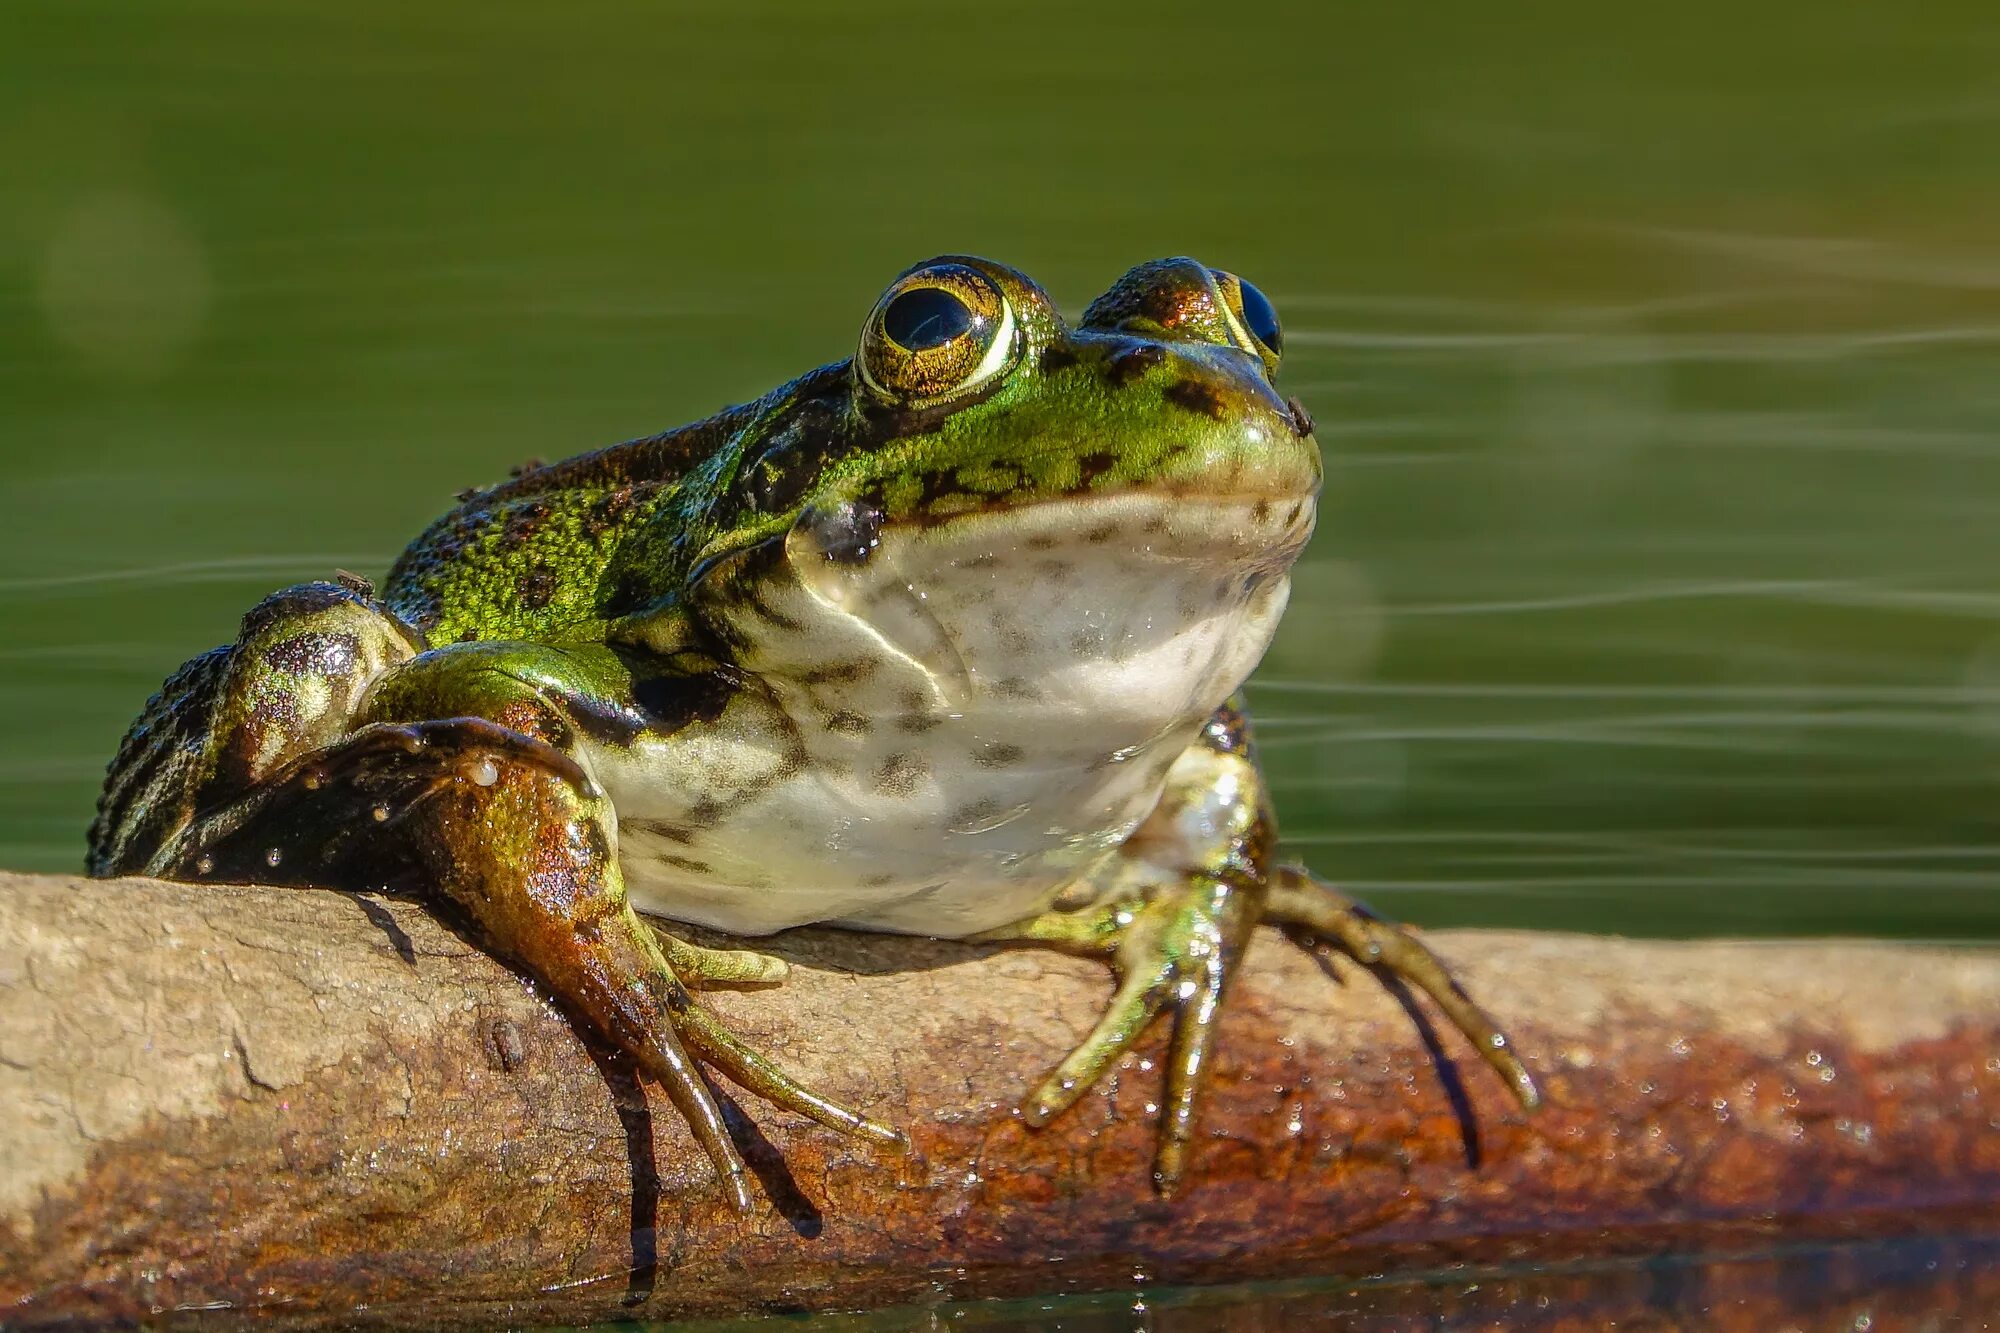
[[947, 638]]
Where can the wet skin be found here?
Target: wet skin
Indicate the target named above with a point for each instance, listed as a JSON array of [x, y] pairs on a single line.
[[943, 639]]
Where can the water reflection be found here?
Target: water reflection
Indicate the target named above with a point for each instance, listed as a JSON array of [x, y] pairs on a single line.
[[1658, 579]]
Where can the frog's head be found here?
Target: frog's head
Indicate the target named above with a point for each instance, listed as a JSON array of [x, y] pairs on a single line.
[[999, 496]]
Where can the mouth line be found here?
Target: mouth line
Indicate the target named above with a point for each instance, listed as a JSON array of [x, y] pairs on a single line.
[[1162, 496], [1161, 500]]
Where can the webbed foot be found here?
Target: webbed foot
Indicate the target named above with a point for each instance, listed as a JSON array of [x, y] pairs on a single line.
[[1314, 914], [1171, 949], [1172, 911]]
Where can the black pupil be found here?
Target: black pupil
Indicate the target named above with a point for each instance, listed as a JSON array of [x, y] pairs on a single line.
[[1260, 318], [926, 317]]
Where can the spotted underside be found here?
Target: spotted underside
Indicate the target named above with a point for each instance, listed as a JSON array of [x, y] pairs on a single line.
[[949, 732]]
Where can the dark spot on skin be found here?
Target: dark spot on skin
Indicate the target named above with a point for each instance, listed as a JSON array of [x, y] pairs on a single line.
[[1057, 358], [661, 706], [1014, 687], [688, 864], [1292, 514], [771, 613], [657, 829], [603, 514], [536, 588], [673, 702], [1133, 362], [1013, 637], [878, 881], [1103, 533], [1261, 511], [468, 636], [847, 722], [1056, 571], [314, 653], [596, 849], [998, 754], [971, 816], [985, 561], [1302, 422], [1195, 396], [521, 524], [1092, 466], [916, 724], [1086, 643], [704, 814], [901, 774], [1041, 541], [841, 673]]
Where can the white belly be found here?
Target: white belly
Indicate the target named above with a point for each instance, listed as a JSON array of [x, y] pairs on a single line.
[[981, 725]]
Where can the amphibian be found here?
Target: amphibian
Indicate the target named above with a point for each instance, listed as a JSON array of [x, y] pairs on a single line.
[[944, 638]]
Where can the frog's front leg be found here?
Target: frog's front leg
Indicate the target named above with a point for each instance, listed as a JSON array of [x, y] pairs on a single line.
[[458, 786], [1173, 910]]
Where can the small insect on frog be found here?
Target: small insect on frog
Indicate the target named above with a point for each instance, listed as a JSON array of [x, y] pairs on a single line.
[[943, 639]]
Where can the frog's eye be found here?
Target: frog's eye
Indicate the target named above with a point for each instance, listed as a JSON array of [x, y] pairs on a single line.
[[1252, 318], [938, 332]]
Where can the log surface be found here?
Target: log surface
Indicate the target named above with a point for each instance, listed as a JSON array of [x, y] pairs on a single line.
[[318, 1107]]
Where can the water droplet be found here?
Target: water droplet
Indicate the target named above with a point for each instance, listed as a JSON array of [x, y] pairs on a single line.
[[204, 866], [273, 856], [485, 773], [381, 814]]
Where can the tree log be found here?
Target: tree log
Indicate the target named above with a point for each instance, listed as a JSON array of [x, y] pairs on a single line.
[[321, 1107]]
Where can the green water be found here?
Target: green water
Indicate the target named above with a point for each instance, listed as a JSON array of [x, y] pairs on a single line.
[[1658, 586]]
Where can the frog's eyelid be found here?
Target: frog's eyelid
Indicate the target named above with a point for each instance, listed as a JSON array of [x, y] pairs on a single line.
[[999, 351], [1237, 328]]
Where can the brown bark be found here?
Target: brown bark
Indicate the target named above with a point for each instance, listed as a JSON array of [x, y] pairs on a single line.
[[305, 1103]]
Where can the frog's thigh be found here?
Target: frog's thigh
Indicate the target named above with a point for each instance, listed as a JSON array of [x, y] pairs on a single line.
[[289, 685], [301, 665]]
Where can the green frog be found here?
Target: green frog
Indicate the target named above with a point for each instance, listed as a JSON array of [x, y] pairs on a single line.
[[945, 639]]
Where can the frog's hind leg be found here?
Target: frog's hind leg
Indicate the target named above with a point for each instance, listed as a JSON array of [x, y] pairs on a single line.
[[1172, 911], [301, 663], [513, 833]]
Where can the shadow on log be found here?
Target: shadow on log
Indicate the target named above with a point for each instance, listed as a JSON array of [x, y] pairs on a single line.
[[319, 1107]]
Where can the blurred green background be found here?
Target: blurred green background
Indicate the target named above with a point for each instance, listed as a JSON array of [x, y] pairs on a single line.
[[1658, 583]]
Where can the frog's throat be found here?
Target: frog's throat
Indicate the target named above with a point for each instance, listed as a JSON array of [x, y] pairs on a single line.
[[1141, 591]]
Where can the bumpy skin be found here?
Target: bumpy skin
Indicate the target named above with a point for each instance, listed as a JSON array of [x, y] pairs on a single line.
[[944, 638]]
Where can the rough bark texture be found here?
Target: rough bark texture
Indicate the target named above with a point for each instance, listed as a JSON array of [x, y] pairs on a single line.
[[308, 1103]]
